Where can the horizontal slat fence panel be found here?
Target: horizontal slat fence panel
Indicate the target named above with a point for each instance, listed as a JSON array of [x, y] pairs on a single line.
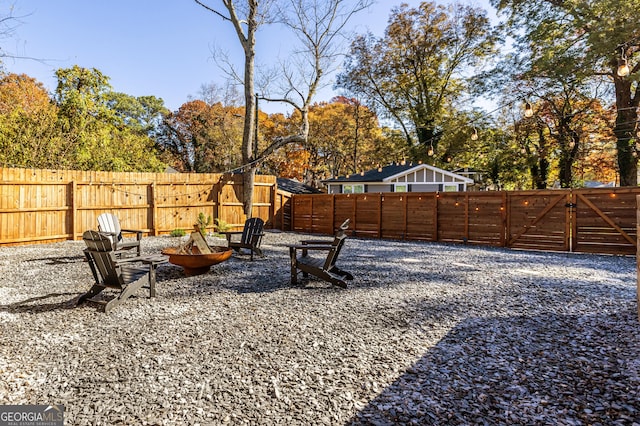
[[393, 212], [421, 217], [367, 216], [486, 218], [55, 205], [452, 218], [594, 220]]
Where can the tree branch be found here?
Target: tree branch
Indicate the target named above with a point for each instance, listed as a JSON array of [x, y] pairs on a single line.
[[210, 9]]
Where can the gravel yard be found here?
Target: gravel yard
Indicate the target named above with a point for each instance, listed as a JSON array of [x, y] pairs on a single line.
[[425, 334]]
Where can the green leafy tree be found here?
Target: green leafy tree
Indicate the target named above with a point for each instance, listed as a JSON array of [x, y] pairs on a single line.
[[103, 130], [416, 72]]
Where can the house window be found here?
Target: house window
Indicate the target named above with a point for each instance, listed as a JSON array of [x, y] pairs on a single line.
[[352, 189], [400, 187], [450, 188]]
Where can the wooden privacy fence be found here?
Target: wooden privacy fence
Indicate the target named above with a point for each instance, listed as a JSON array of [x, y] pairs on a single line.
[[55, 205], [577, 220]]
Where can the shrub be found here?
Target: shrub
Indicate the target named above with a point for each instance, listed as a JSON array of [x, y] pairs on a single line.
[[222, 226], [178, 233]]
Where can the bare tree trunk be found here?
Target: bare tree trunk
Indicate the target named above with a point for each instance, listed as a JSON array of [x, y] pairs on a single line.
[[250, 117], [248, 42]]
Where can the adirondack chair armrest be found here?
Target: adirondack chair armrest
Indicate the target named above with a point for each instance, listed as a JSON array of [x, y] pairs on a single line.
[[316, 242], [310, 247], [230, 234], [132, 259], [138, 233], [153, 260], [109, 234], [306, 247]]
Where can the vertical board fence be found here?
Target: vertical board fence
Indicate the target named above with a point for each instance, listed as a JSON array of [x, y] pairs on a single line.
[[576, 220], [55, 205]]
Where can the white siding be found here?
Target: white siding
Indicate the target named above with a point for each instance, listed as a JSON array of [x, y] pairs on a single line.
[[424, 187]]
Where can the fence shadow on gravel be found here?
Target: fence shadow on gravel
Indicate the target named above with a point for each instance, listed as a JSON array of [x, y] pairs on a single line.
[[545, 369], [34, 305], [60, 260]]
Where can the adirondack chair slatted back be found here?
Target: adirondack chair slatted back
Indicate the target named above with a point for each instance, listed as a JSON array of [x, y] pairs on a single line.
[[333, 254], [336, 246], [252, 231], [100, 249], [108, 222]]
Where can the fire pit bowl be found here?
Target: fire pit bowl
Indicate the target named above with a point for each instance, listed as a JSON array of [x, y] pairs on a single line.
[[197, 263]]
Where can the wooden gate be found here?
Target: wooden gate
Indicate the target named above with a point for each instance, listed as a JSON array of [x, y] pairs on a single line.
[[539, 220], [604, 221]]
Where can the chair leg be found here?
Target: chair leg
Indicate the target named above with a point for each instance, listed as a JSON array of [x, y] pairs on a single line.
[[93, 291], [294, 269], [152, 280], [126, 293]]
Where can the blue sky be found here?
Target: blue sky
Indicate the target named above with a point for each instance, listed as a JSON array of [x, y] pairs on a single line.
[[145, 47]]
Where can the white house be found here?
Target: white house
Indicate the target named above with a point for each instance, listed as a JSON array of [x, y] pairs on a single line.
[[399, 178]]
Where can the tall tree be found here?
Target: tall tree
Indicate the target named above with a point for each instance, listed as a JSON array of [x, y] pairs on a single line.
[[29, 135], [249, 14], [102, 130], [594, 36], [415, 73]]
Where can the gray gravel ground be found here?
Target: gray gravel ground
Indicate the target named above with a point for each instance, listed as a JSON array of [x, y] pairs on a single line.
[[426, 334]]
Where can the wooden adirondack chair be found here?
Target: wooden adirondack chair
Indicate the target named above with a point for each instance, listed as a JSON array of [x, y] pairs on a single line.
[[109, 225], [323, 268], [109, 270], [250, 237]]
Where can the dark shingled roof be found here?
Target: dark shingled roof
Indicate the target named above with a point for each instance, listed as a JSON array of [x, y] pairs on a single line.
[[295, 187], [374, 175]]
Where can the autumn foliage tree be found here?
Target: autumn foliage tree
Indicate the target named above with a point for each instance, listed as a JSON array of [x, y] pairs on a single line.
[[586, 40], [344, 137], [29, 135], [203, 138]]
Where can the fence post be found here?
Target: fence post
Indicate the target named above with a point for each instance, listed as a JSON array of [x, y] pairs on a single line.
[[503, 219], [436, 197], [333, 211], [292, 200], [74, 208], [379, 215], [405, 214], [507, 210], [466, 217], [153, 229], [272, 205]]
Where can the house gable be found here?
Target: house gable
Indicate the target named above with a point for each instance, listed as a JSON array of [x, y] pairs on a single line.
[[413, 178], [424, 173]]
